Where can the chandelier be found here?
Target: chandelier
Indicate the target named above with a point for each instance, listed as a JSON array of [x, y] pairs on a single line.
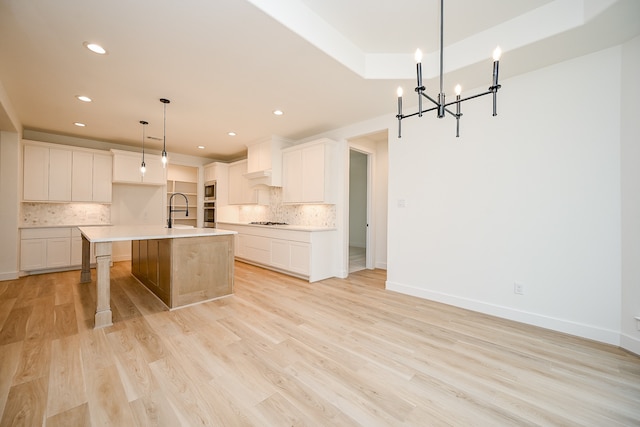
[[440, 105]]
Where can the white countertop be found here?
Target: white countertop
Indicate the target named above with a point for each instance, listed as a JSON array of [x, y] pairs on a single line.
[[283, 227], [114, 233]]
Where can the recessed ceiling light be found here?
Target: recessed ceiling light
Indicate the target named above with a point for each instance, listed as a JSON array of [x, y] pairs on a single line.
[[201, 147], [96, 48], [80, 125], [278, 112], [84, 98], [231, 134]]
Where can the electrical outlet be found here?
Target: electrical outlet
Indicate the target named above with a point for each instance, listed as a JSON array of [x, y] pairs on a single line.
[[518, 288]]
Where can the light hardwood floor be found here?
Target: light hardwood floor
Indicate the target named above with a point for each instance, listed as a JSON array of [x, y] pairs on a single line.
[[283, 352]]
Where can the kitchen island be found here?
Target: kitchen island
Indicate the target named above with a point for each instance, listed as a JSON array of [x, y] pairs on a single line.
[[180, 265]]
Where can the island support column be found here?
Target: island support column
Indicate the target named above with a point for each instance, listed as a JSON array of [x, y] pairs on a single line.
[[85, 273], [103, 285]]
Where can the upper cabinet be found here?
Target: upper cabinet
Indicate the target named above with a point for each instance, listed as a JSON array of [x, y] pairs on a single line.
[[264, 161], [35, 172], [91, 177], [240, 192], [65, 174], [219, 172], [306, 172], [126, 168]]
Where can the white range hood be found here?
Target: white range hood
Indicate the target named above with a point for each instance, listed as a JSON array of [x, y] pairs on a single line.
[[264, 161], [260, 178]]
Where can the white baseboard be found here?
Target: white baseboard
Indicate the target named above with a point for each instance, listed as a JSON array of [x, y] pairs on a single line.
[[381, 265], [13, 275], [560, 325]]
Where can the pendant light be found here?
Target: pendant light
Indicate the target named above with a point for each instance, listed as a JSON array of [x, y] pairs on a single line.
[[143, 167], [164, 132]]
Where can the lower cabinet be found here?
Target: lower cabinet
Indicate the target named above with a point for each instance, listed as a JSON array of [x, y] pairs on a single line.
[[50, 248], [305, 254], [291, 256]]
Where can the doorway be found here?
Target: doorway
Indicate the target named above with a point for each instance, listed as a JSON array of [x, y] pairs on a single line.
[[358, 210]]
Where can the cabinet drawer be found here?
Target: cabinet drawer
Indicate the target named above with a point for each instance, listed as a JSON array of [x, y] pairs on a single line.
[[45, 233]]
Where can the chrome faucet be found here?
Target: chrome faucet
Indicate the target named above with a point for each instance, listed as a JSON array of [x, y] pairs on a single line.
[[171, 210]]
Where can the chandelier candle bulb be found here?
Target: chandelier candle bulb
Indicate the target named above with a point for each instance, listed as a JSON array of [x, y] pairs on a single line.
[[399, 116], [496, 60]]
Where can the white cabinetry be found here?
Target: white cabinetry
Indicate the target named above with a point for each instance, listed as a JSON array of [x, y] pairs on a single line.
[[46, 173], [51, 248], [60, 163], [265, 161], [81, 187], [65, 174], [35, 172], [101, 177], [219, 172], [307, 175], [305, 254], [240, 192], [91, 177], [126, 168], [43, 248]]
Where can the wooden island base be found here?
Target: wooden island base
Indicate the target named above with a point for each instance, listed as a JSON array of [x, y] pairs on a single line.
[[184, 271]]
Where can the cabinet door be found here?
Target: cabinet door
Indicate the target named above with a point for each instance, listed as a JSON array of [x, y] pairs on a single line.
[[101, 178], [292, 176], [58, 252], [60, 165], [300, 258], [259, 157], [81, 177], [126, 168], [33, 254], [209, 173], [156, 173], [280, 254], [313, 174], [239, 190], [35, 173]]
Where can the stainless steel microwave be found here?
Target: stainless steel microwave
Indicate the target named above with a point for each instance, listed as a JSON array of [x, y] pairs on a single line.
[[209, 190]]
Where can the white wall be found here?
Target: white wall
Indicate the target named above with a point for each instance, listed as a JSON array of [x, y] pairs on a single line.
[[630, 161], [9, 185], [132, 205], [531, 196]]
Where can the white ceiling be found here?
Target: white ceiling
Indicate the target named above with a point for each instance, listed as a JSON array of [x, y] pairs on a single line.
[[227, 64]]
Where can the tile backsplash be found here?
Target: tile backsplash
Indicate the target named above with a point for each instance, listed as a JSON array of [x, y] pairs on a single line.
[[315, 215], [57, 214]]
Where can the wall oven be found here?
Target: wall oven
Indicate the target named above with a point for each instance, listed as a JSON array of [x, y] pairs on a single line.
[[209, 191], [209, 220]]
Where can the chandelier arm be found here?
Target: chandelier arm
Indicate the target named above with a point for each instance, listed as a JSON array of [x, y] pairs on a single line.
[[441, 42], [404, 116], [468, 98], [430, 99]]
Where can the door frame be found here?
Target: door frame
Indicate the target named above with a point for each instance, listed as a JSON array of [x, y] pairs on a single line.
[[370, 217]]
